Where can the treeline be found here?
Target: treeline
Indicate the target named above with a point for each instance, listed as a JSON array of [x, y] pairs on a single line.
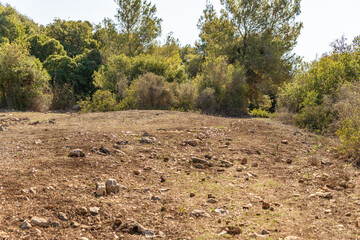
[[242, 57]]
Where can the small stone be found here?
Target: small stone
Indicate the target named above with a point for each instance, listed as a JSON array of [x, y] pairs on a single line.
[[328, 211], [83, 238], [244, 161], [147, 140], [348, 215], [233, 230], [192, 143], [112, 186], [292, 238], [212, 200], [41, 222], [255, 164], [100, 189], [55, 224], [62, 216], [74, 224], [221, 211], [162, 179], [33, 190], [2, 128], [137, 172], [25, 225], [82, 210], [192, 195], [265, 206], [37, 232], [155, 198], [77, 153], [196, 160], [285, 142], [94, 211], [200, 213], [264, 232], [118, 221], [289, 161], [104, 150], [226, 164]]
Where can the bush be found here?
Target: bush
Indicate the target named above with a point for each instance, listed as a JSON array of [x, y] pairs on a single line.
[[150, 92], [24, 84], [207, 101], [348, 108], [63, 97], [101, 101], [260, 113], [187, 96]]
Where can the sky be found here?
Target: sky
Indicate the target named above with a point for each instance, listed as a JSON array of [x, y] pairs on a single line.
[[324, 20]]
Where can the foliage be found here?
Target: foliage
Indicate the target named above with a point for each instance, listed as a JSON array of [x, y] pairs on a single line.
[[138, 22], [260, 113], [150, 91], [101, 101], [42, 46], [75, 36], [63, 97], [23, 81]]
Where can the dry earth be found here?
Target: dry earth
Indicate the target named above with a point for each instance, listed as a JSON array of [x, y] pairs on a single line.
[[182, 176]]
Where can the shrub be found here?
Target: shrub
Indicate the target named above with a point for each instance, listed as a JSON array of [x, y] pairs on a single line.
[[207, 101], [187, 96], [63, 97], [24, 84], [150, 92], [101, 101], [260, 113]]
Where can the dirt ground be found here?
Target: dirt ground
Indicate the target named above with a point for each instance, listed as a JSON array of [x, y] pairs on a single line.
[[182, 176]]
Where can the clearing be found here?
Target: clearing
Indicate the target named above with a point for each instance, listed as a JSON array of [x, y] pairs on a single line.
[[182, 176]]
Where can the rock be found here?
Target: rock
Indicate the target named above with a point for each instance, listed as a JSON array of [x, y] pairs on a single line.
[[100, 189], [133, 227], [83, 238], [155, 198], [292, 238], [82, 211], [221, 211], [244, 161], [265, 205], [118, 221], [55, 224], [33, 190], [192, 195], [112, 186], [255, 164], [25, 225], [226, 164], [212, 200], [196, 160], [285, 142], [34, 123], [357, 223], [289, 161], [75, 224], [94, 211], [137, 172], [2, 128], [264, 232], [192, 143], [200, 213], [62, 216], [147, 140], [77, 153], [233, 230], [4, 235], [41, 222], [104, 150]]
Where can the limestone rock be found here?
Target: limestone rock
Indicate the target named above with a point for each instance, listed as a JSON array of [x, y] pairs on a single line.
[[77, 153], [100, 189], [41, 222], [25, 225], [112, 186]]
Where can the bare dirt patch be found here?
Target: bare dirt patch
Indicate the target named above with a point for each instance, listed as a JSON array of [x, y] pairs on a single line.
[[181, 176]]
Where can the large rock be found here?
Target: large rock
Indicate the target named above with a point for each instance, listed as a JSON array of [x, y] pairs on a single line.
[[41, 222], [100, 189]]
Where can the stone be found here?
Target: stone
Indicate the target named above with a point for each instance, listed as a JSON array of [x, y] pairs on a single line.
[[133, 227], [244, 161], [221, 211], [264, 232], [33, 190], [83, 238], [41, 222], [192, 195], [265, 205], [104, 150], [289, 161], [100, 189], [82, 211], [55, 224], [118, 221], [255, 164], [62, 216], [212, 200], [155, 198], [285, 142], [200, 213], [94, 211], [197, 160], [227, 164], [25, 225], [2, 128], [112, 186], [75, 224], [137, 172], [192, 143], [77, 153], [147, 140], [292, 238], [233, 230]]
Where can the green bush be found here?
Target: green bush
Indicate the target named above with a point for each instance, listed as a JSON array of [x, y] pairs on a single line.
[[101, 101], [24, 84], [260, 113], [186, 97]]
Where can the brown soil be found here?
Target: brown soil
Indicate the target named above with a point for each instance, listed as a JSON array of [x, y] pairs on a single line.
[[298, 187]]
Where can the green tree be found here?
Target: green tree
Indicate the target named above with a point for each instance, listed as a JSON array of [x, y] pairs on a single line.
[[257, 34], [138, 22], [23, 81], [42, 46], [11, 27], [75, 36]]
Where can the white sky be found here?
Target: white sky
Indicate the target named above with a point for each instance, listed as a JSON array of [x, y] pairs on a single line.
[[324, 20]]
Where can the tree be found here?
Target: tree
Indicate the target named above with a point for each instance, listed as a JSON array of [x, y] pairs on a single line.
[[259, 35], [42, 46], [138, 22], [23, 81], [75, 36], [11, 27]]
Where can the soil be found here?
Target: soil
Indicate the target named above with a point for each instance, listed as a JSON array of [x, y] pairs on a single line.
[[183, 176]]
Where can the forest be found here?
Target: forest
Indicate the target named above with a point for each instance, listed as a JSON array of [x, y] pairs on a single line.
[[242, 65]]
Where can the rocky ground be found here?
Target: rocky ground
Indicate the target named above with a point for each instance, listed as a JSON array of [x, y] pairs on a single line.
[[171, 175]]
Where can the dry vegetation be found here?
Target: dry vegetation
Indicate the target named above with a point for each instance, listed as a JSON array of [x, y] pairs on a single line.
[[252, 178]]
